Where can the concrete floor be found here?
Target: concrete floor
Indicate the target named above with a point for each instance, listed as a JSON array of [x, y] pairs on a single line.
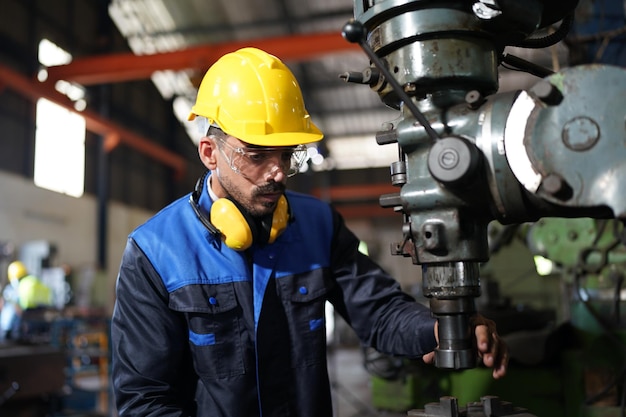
[[351, 385]]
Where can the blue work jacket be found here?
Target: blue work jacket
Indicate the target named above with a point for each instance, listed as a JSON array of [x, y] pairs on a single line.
[[202, 330]]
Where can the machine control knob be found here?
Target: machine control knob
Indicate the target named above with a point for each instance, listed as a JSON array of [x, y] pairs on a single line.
[[354, 31], [453, 160]]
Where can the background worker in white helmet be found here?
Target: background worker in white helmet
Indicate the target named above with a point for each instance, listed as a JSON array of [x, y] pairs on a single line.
[[24, 291], [221, 295]]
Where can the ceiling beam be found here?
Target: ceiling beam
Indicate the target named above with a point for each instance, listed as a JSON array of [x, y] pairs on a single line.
[[226, 29], [354, 201], [113, 133], [365, 211], [346, 193], [112, 68]]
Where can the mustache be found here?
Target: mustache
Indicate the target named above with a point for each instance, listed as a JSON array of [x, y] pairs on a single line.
[[272, 187]]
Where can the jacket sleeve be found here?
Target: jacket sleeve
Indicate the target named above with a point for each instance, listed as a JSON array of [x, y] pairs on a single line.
[[373, 303], [150, 356]]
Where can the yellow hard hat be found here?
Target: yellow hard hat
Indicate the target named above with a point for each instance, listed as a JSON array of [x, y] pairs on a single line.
[[253, 96], [17, 270]]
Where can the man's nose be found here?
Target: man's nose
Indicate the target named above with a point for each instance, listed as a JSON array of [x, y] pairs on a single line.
[[276, 173]]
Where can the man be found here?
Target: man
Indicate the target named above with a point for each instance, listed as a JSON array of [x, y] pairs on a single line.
[[23, 292], [221, 295]]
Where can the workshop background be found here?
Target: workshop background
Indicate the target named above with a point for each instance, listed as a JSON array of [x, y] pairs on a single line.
[[94, 96]]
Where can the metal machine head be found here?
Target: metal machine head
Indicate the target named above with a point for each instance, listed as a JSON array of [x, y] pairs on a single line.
[[470, 155]]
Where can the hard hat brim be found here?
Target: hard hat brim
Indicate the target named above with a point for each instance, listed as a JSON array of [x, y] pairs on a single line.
[[314, 134], [285, 138]]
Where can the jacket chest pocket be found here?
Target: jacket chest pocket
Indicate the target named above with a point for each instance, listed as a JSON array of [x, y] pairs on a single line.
[[304, 298], [214, 319]]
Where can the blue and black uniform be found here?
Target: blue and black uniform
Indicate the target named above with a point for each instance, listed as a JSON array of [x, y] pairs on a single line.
[[200, 329]]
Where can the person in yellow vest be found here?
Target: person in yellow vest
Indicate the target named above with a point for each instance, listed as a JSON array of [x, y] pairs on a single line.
[[24, 291]]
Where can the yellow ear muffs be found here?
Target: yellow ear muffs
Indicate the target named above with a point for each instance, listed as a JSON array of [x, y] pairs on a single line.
[[239, 231], [280, 218], [231, 223]]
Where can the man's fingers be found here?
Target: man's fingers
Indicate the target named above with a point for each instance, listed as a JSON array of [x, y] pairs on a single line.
[[499, 370], [491, 348], [482, 339], [501, 360], [497, 356]]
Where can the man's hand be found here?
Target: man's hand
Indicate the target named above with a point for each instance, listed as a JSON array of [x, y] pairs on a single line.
[[491, 349]]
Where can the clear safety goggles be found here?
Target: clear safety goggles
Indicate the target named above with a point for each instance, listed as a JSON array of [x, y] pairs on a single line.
[[255, 163]]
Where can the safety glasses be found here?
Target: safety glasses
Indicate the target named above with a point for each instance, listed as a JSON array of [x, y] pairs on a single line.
[[255, 162]]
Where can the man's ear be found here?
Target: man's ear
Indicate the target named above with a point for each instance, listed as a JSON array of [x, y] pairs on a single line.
[[207, 149]]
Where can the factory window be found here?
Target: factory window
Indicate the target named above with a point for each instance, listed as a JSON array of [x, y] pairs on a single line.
[[60, 132], [59, 149]]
